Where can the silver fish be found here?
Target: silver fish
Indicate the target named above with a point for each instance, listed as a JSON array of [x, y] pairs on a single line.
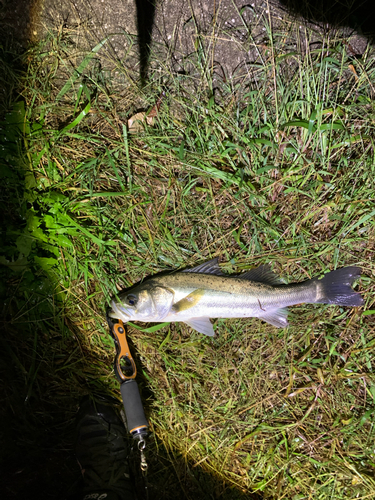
[[195, 295]]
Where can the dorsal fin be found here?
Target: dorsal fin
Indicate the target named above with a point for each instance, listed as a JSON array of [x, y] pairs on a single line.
[[261, 274], [209, 267]]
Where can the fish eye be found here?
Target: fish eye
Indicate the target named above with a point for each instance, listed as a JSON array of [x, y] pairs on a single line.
[[132, 300]]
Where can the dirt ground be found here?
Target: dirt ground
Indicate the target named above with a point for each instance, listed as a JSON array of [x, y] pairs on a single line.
[[167, 24], [174, 26]]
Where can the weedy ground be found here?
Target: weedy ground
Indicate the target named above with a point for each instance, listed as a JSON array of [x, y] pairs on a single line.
[[272, 165]]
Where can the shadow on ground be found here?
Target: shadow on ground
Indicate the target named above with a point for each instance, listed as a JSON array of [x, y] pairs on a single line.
[[145, 22], [359, 15]]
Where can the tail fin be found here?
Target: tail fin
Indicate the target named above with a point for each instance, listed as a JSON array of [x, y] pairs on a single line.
[[335, 287]]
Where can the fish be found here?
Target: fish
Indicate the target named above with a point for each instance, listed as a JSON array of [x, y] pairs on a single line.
[[193, 296]]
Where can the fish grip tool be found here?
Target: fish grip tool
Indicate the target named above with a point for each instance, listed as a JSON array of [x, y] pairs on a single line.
[[126, 371]]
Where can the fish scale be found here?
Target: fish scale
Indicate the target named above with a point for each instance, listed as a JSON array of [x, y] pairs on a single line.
[[195, 295]]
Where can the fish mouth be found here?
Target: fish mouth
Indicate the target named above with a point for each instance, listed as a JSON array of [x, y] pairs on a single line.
[[119, 312]]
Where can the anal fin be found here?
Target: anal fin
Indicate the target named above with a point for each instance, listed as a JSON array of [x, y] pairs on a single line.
[[276, 318]]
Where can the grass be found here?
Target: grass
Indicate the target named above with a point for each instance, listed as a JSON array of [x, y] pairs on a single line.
[[273, 165]]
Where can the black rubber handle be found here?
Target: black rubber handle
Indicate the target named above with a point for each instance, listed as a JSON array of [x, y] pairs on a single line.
[[135, 415]]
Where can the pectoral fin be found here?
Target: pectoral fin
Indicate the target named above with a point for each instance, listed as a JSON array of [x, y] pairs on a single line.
[[189, 301], [202, 325], [276, 318]]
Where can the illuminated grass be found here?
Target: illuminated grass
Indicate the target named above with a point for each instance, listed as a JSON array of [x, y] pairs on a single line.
[[275, 165]]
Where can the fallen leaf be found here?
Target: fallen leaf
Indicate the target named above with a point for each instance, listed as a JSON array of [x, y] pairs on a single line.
[[137, 122]]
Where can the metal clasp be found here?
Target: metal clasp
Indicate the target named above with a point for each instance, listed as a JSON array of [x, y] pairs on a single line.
[[141, 448]]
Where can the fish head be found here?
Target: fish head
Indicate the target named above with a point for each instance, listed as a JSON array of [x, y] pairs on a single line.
[[143, 303]]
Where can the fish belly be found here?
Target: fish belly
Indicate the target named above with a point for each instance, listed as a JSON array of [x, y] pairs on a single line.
[[227, 305]]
